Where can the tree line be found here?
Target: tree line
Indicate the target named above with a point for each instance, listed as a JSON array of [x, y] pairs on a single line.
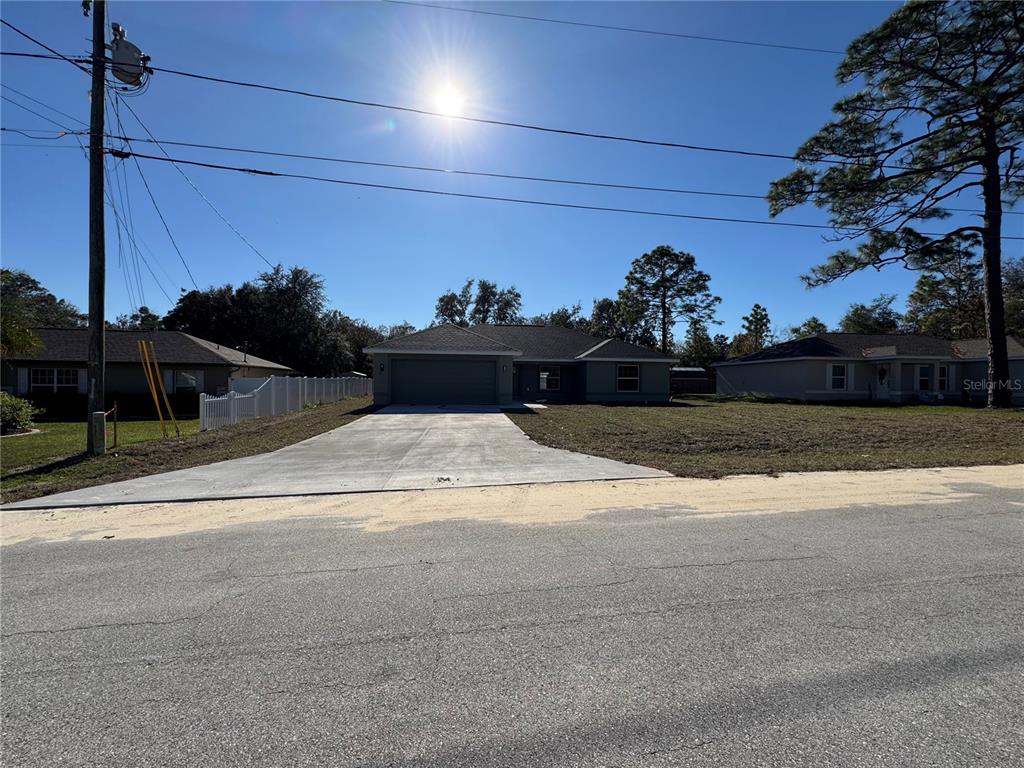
[[946, 302], [662, 288], [281, 316]]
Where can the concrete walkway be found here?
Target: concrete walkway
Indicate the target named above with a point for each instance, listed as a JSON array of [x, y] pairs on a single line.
[[397, 448]]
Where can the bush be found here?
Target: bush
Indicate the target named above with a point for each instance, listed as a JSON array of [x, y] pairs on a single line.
[[15, 414]]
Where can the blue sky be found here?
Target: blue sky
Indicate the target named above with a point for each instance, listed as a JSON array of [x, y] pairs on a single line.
[[386, 255]]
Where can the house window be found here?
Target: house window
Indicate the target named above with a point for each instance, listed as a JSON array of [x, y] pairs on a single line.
[[942, 378], [67, 377], [42, 378], [924, 378], [550, 378], [185, 381], [627, 378], [837, 377]]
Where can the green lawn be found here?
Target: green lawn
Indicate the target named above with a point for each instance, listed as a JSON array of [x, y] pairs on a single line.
[[52, 461], [59, 440], [707, 437]]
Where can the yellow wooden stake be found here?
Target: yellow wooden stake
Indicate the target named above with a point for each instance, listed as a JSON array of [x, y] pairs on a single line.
[[163, 391], [144, 356]]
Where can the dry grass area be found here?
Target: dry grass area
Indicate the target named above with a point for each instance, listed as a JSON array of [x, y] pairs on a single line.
[[163, 455], [707, 437]]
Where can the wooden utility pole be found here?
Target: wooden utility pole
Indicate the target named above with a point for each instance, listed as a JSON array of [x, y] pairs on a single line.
[[97, 236]]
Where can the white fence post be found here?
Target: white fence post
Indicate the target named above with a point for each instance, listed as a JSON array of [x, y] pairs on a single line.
[[202, 411], [232, 408]]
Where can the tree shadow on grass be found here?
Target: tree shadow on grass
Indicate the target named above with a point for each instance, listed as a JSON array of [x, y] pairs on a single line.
[[52, 466]]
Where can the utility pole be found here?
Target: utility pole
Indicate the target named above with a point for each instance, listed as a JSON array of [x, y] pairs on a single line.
[[97, 236]]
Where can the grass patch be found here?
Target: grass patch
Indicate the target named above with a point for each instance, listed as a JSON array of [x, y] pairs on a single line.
[[705, 437], [55, 472], [61, 440]]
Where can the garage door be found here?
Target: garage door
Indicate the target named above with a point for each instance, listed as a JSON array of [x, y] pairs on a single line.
[[443, 382]]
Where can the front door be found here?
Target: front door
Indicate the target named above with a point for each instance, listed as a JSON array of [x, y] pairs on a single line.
[[882, 375]]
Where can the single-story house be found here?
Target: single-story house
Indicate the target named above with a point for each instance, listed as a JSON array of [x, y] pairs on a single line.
[[501, 364], [858, 366], [54, 377]]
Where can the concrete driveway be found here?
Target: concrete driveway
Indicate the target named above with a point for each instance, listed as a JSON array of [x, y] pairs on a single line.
[[396, 448]]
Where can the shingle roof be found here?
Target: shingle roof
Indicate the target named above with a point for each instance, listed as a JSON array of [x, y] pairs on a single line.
[[552, 342], [874, 345], [70, 345], [541, 341], [617, 349], [534, 342], [978, 348], [444, 338]]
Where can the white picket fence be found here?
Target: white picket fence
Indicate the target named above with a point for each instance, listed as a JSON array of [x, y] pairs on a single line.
[[276, 395]]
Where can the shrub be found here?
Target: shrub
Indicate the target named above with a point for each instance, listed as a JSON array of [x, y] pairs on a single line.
[[15, 414]]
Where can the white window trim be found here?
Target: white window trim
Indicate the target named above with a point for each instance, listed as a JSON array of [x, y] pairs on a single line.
[[940, 385], [542, 382], [619, 377], [847, 377], [54, 386], [931, 378]]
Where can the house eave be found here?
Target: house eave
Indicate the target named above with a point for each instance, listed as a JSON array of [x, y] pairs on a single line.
[[838, 359], [389, 351], [660, 360]]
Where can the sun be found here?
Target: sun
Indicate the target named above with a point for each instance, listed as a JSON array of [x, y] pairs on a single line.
[[448, 100]]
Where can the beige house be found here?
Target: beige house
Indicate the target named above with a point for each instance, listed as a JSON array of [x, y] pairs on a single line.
[[54, 377], [854, 366]]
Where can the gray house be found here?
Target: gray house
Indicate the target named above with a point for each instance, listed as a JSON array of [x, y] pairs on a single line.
[[856, 366], [500, 364]]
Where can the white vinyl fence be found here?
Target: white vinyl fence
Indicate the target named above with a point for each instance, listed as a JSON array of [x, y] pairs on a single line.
[[258, 398]]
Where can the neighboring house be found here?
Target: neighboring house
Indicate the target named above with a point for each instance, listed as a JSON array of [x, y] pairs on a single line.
[[856, 366], [500, 364], [54, 377], [689, 380]]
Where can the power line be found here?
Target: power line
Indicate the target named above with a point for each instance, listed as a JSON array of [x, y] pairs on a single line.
[[45, 105], [615, 28], [133, 238], [156, 207], [459, 172], [33, 112], [512, 124], [41, 44], [46, 56], [128, 231], [152, 139], [449, 171], [125, 197], [35, 146], [442, 193], [481, 120]]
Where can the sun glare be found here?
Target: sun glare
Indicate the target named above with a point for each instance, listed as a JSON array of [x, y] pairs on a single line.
[[448, 100]]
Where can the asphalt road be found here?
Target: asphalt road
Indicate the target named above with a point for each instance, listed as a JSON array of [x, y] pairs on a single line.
[[866, 636]]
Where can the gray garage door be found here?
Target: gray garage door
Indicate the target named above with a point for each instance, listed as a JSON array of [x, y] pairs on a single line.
[[443, 382]]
